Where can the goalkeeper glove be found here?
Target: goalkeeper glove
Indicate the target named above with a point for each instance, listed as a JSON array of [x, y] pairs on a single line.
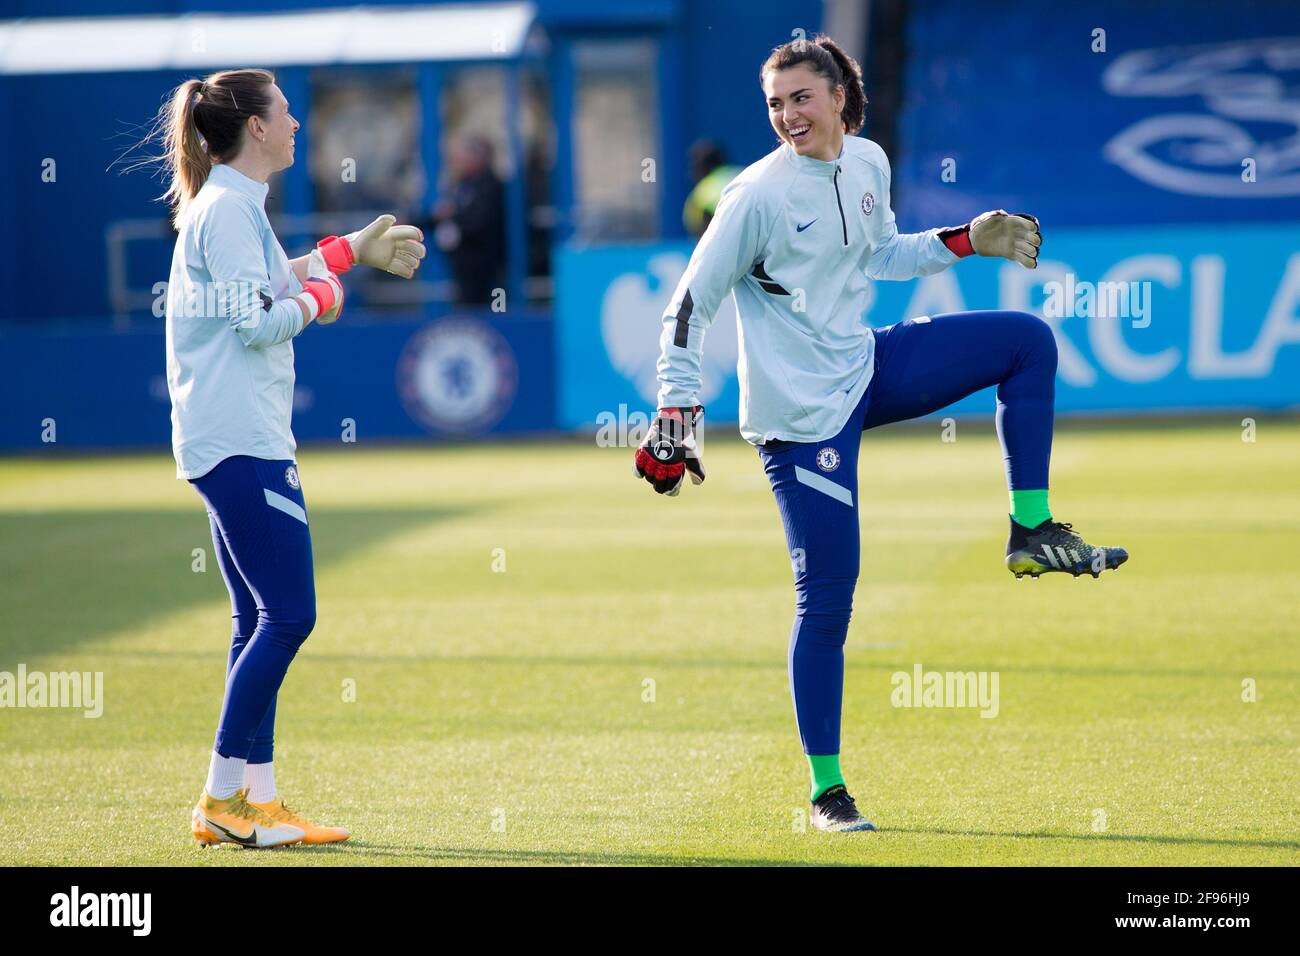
[[670, 450], [381, 245], [322, 292], [997, 233]]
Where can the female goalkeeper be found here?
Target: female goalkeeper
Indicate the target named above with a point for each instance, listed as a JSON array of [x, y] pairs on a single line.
[[798, 235], [234, 304]]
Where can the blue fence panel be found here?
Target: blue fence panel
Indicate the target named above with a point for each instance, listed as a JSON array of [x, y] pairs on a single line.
[[464, 375]]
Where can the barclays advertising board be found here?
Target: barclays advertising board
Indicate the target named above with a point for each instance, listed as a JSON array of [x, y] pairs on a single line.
[[1146, 320]]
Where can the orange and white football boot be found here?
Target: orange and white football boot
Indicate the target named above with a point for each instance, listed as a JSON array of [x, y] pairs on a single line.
[[235, 820], [312, 833]]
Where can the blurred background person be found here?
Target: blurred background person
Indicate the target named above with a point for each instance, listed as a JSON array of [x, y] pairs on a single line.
[[469, 223], [710, 173]]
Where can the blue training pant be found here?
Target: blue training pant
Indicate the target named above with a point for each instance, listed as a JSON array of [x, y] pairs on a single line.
[[263, 546], [921, 366]]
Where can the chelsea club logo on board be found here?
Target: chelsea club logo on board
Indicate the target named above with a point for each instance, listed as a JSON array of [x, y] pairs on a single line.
[[828, 459], [291, 478], [457, 376], [868, 203]]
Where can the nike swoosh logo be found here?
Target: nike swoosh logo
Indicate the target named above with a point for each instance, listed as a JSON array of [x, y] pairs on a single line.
[[250, 840], [805, 225]]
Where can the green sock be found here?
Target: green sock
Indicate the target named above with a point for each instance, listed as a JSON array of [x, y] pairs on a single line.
[[1029, 508], [825, 771]]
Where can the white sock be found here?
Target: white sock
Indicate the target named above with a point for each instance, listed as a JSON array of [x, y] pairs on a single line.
[[225, 776], [260, 780]]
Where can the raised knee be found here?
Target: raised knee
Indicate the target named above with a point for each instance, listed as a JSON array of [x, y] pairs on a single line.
[[1037, 334], [1039, 330]]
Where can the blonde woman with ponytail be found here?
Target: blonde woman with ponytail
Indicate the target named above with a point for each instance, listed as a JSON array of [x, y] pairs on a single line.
[[235, 302], [796, 239]]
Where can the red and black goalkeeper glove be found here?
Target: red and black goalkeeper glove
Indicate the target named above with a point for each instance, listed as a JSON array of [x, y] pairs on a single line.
[[670, 450]]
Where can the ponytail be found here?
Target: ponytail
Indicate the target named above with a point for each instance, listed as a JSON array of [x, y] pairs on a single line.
[[854, 113], [183, 151], [201, 123], [826, 59]]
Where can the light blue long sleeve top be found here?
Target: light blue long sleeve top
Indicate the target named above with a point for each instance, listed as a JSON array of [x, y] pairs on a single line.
[[231, 320], [796, 241]]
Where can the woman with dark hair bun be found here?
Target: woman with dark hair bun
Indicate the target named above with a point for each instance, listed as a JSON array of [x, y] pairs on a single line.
[[796, 239]]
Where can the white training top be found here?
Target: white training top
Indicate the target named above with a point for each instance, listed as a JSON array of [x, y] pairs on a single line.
[[795, 240], [230, 324]]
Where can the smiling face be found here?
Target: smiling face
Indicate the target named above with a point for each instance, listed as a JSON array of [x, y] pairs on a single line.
[[805, 111], [273, 133]]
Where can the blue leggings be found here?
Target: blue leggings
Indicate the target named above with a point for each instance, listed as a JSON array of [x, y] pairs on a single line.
[[921, 366], [263, 545]]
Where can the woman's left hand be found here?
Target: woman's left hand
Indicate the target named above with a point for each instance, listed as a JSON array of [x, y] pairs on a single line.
[[384, 245], [1015, 237]]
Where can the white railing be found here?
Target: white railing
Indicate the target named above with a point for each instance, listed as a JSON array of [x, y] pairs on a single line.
[[125, 300]]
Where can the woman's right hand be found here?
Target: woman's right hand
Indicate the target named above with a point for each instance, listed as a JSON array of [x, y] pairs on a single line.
[[670, 451], [322, 292], [328, 293]]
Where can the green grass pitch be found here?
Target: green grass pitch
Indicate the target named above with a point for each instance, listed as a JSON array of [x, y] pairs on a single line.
[[617, 694]]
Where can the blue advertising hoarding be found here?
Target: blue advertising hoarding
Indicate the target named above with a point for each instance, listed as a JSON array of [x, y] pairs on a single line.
[[462, 376], [1145, 320], [608, 303]]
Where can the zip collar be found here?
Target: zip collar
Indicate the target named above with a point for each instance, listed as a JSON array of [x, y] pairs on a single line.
[[811, 165], [223, 175]]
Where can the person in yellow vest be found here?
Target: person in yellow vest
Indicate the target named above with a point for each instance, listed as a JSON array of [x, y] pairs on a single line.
[[710, 172]]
